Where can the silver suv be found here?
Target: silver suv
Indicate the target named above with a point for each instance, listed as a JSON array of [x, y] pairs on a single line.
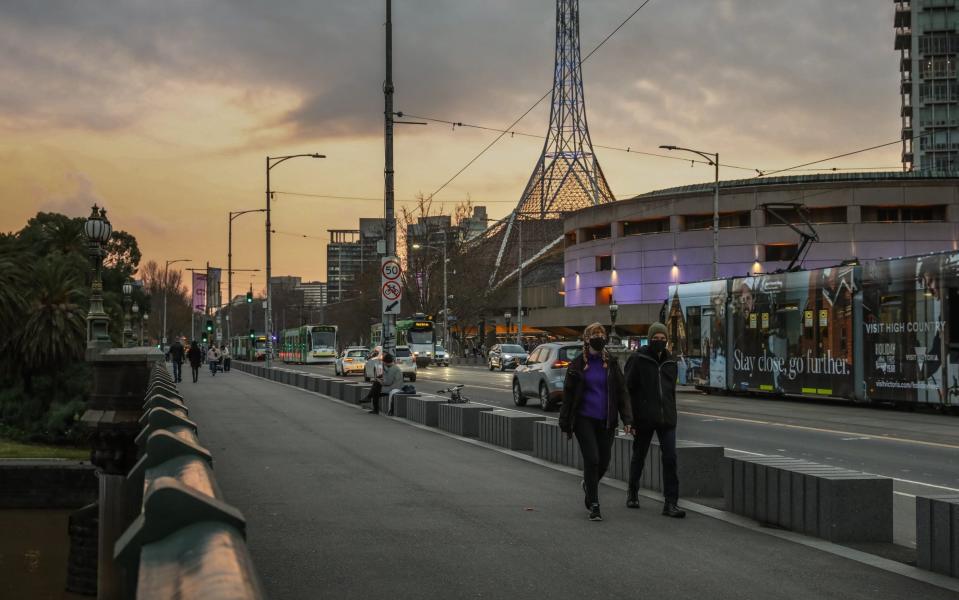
[[543, 374]]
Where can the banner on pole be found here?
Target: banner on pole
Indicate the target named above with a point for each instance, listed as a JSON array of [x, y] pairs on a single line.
[[213, 289], [199, 292]]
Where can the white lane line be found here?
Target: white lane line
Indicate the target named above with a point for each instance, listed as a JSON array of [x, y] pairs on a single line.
[[883, 438]]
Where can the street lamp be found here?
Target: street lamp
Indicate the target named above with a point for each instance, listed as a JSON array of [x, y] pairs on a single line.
[[507, 316], [136, 317], [613, 311], [272, 161], [713, 159], [127, 330], [229, 268], [98, 230], [166, 283], [144, 323]]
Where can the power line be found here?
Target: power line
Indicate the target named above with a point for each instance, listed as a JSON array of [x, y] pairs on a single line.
[[369, 199], [535, 104], [844, 155]]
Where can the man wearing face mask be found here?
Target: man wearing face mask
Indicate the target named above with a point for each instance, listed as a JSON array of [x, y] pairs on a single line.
[[651, 380]]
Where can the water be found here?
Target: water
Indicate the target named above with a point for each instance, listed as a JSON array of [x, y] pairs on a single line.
[[34, 546]]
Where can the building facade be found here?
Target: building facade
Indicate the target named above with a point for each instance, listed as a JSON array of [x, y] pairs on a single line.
[[927, 39], [349, 255], [629, 252], [314, 293]]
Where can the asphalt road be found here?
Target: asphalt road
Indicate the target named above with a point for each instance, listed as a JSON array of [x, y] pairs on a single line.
[[341, 504], [919, 450]]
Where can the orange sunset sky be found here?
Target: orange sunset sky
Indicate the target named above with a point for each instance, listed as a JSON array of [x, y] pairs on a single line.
[[164, 111]]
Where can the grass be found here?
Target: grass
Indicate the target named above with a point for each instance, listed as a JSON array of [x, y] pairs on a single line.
[[11, 449]]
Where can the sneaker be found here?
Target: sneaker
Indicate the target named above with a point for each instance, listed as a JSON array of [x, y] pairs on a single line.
[[671, 510], [632, 499], [594, 514]]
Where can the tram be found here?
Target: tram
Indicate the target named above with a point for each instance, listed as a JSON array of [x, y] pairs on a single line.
[[308, 344], [885, 331]]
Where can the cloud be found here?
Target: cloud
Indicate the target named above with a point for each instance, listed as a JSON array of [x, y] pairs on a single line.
[[76, 202]]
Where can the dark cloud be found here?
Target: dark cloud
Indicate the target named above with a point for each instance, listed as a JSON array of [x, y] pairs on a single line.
[[804, 75]]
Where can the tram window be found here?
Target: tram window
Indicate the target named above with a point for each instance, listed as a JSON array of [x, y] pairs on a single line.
[[953, 318], [693, 331]]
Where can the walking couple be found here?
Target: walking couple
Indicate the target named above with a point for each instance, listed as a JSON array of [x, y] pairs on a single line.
[[597, 394]]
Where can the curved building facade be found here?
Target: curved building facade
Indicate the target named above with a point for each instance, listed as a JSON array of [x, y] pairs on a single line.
[[629, 252]]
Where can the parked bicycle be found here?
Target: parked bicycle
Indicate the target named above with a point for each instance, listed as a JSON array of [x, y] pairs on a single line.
[[455, 394]]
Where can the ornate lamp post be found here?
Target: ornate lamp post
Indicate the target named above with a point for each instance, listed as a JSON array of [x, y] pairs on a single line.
[[613, 311], [136, 319], [127, 325], [98, 230], [144, 323]]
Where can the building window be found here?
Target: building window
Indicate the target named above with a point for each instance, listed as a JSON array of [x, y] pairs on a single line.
[[570, 239], [604, 263], [903, 214], [646, 226], [781, 252], [726, 221], [604, 295], [600, 232], [820, 215]]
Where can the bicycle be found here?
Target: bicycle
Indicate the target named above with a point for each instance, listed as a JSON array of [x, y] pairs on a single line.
[[455, 393]]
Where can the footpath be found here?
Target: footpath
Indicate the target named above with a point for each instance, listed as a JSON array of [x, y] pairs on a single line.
[[342, 504]]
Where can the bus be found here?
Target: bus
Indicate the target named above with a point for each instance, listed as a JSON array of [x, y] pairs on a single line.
[[308, 344], [242, 348], [885, 331], [417, 332]]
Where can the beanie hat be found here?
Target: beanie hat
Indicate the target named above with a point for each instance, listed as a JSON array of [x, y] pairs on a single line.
[[655, 328]]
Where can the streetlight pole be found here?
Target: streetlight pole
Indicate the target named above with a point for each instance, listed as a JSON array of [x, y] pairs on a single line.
[[519, 282], [166, 283], [127, 328], [229, 269], [446, 318], [389, 334], [713, 159], [98, 230], [272, 161]]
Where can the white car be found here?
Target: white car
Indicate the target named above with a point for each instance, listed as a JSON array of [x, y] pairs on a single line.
[[352, 360], [441, 358], [404, 360]]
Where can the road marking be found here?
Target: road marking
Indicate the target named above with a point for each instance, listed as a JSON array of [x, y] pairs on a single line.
[[885, 438]]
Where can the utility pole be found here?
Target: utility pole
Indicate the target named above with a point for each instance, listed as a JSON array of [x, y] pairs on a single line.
[[389, 334], [446, 309], [249, 306], [268, 318]]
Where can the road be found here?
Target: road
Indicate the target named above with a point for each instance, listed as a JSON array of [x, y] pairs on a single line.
[[341, 504], [919, 450]]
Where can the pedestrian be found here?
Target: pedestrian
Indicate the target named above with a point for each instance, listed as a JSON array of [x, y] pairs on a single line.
[[213, 357], [651, 374], [227, 359], [195, 356], [594, 400], [389, 382], [176, 357]]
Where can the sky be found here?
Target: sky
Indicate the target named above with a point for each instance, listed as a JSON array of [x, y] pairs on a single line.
[[164, 112]]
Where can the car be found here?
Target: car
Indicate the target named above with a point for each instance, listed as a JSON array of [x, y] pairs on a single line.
[[352, 360], [403, 357], [543, 374], [504, 356], [441, 357]]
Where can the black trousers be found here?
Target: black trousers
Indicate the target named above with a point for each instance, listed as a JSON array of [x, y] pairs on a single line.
[[196, 372], [667, 448], [375, 392], [596, 444], [177, 371]]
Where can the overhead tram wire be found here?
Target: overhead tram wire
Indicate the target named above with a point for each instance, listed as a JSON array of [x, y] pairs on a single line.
[[370, 199], [535, 104]]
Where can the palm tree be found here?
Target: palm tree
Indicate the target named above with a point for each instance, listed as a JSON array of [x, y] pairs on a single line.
[[11, 289], [54, 330]]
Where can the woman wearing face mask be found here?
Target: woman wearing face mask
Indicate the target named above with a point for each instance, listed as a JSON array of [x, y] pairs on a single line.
[[594, 400], [651, 380]]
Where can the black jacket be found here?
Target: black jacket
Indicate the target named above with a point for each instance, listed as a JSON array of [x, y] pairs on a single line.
[[176, 352], [617, 401], [652, 387]]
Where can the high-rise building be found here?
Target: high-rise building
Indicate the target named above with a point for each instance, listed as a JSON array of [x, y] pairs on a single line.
[[928, 44], [314, 293], [349, 255]]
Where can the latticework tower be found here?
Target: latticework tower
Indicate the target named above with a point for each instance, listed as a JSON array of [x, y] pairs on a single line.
[[567, 176]]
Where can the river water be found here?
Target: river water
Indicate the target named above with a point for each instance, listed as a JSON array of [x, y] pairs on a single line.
[[34, 545]]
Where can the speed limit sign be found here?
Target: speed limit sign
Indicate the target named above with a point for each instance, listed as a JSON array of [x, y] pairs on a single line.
[[391, 289]]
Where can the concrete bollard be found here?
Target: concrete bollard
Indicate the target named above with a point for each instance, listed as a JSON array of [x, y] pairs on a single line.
[[550, 443], [461, 419], [400, 403], [937, 534], [508, 428], [423, 409]]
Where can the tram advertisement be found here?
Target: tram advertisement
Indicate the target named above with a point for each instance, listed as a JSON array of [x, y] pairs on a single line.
[[697, 319], [904, 330], [793, 332]]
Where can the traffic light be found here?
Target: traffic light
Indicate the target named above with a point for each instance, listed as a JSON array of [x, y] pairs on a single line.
[[252, 335], [209, 326], [205, 338], [249, 297]]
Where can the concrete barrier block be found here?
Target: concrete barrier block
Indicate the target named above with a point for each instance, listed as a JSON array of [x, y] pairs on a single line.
[[299, 380], [508, 428], [399, 404], [335, 387], [937, 534], [461, 419], [856, 507], [360, 392], [424, 410]]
